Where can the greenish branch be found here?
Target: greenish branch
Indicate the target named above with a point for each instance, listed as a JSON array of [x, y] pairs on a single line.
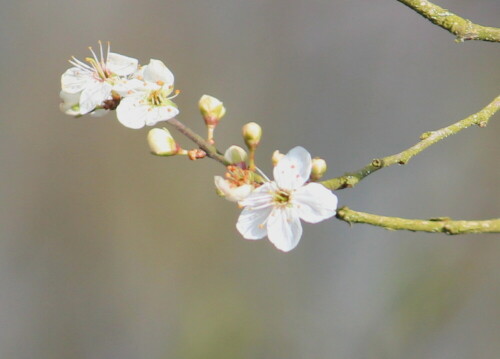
[[434, 225], [462, 28], [209, 149], [350, 179]]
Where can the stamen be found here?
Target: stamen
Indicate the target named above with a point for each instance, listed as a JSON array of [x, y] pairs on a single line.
[[103, 63], [93, 53], [80, 64], [96, 66], [262, 174], [108, 51], [176, 93]]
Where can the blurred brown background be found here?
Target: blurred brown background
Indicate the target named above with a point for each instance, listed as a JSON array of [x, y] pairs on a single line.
[[109, 252]]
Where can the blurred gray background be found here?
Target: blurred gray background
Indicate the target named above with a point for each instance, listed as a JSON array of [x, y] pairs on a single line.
[[109, 252]]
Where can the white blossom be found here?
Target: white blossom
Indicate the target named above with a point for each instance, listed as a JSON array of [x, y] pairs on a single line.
[[151, 102], [96, 80], [276, 208]]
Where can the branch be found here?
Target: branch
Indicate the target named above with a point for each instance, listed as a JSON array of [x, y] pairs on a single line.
[[435, 225], [462, 28], [200, 141], [350, 179]]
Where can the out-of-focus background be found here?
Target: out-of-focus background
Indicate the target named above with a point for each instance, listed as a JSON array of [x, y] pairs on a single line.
[[109, 252]]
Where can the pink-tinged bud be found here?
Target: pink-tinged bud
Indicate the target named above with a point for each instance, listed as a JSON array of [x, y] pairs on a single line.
[[252, 134], [235, 155], [277, 156], [319, 168], [162, 143], [211, 109]]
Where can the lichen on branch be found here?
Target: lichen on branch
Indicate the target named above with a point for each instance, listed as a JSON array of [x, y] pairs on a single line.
[[427, 139], [434, 225], [462, 28]]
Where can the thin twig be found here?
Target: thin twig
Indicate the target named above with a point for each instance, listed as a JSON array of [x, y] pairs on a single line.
[[350, 179], [462, 28], [435, 225], [210, 150]]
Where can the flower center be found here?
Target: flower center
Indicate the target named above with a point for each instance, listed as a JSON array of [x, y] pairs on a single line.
[[281, 197], [157, 97]]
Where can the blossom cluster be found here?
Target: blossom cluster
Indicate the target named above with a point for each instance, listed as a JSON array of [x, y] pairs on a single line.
[[141, 95], [275, 208]]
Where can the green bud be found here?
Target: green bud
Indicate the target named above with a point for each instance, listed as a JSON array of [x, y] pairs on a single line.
[[235, 155], [211, 109], [319, 168], [162, 143], [252, 134]]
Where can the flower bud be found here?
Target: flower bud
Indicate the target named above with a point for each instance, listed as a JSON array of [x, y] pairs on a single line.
[[235, 155], [162, 143], [252, 134], [277, 156], [211, 109], [319, 168]]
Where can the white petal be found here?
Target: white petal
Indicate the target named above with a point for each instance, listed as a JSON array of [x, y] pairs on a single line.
[[239, 193], [157, 71], [75, 80], [125, 87], [99, 113], [284, 229], [94, 95], [69, 99], [293, 170], [70, 105], [160, 113], [131, 113], [121, 65], [251, 223], [314, 202], [260, 197], [233, 194]]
